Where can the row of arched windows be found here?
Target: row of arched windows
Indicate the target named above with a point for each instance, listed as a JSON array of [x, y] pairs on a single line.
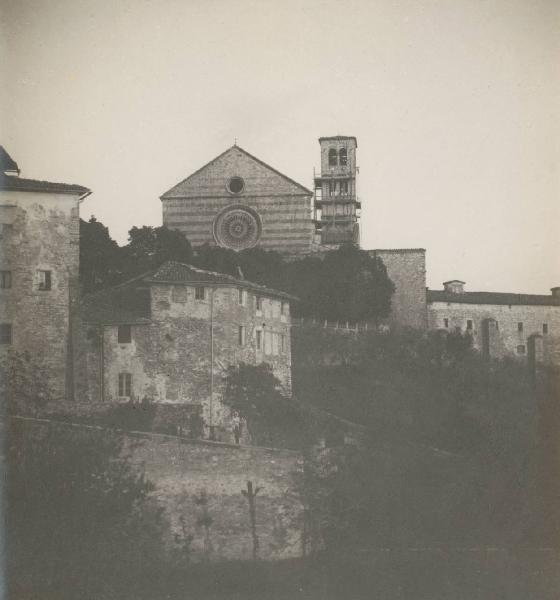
[[339, 157]]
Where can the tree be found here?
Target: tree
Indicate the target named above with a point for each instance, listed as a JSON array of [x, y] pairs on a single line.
[[149, 247], [25, 383], [346, 285], [273, 419], [80, 519], [100, 257]]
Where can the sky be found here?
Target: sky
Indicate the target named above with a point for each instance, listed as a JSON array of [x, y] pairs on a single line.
[[455, 105]]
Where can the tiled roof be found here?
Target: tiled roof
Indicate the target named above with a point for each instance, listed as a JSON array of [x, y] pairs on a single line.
[[117, 305], [7, 163], [492, 298], [12, 183], [176, 272]]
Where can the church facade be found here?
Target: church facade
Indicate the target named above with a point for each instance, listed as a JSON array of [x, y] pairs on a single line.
[[237, 201]]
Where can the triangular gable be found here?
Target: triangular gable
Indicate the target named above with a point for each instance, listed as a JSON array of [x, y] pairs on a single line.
[[260, 179]]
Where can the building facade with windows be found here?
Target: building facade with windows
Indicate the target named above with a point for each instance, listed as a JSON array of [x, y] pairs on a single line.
[[39, 262], [170, 336], [501, 324]]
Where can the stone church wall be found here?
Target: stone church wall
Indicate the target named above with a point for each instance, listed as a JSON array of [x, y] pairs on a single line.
[[407, 270], [284, 207]]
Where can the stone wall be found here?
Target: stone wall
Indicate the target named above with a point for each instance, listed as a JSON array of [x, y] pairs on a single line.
[[43, 234], [170, 357], [183, 469], [407, 270], [283, 206], [508, 339]]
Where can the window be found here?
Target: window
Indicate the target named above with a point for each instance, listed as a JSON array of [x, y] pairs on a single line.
[[199, 292], [124, 334], [125, 385], [521, 349], [5, 280], [520, 327], [332, 157], [242, 296], [44, 280], [469, 325], [268, 342], [259, 335], [285, 308], [343, 188], [259, 302], [275, 348], [332, 188], [446, 323], [241, 335], [343, 157], [283, 344], [545, 328], [5, 333], [236, 185]]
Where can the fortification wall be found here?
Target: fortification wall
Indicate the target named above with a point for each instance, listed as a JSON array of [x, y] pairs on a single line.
[[184, 469]]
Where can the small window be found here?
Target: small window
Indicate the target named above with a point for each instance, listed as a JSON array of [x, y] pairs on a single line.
[[520, 327], [333, 155], [125, 385], [521, 349], [259, 303], [283, 343], [199, 292], [241, 335], [242, 296], [469, 325], [44, 280], [343, 157], [258, 340], [5, 280], [125, 334], [545, 328], [236, 185], [446, 323], [5, 333]]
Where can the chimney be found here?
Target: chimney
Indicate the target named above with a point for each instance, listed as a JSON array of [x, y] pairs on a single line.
[[455, 286], [555, 291]]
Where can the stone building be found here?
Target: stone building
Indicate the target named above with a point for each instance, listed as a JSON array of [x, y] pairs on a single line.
[[237, 201], [406, 267], [501, 324], [39, 258], [169, 336], [337, 208]]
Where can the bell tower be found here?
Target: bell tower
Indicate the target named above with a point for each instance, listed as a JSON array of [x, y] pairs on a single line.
[[336, 202]]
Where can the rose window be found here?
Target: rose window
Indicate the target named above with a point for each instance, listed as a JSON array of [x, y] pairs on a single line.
[[237, 227]]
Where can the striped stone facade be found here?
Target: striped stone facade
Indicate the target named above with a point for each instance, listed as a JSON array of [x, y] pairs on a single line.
[[238, 201]]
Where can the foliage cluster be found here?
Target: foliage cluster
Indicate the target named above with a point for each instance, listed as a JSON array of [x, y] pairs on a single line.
[[453, 455], [80, 520], [273, 419], [346, 284]]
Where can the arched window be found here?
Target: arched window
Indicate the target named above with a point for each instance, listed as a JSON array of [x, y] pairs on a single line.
[[343, 157], [332, 157]]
